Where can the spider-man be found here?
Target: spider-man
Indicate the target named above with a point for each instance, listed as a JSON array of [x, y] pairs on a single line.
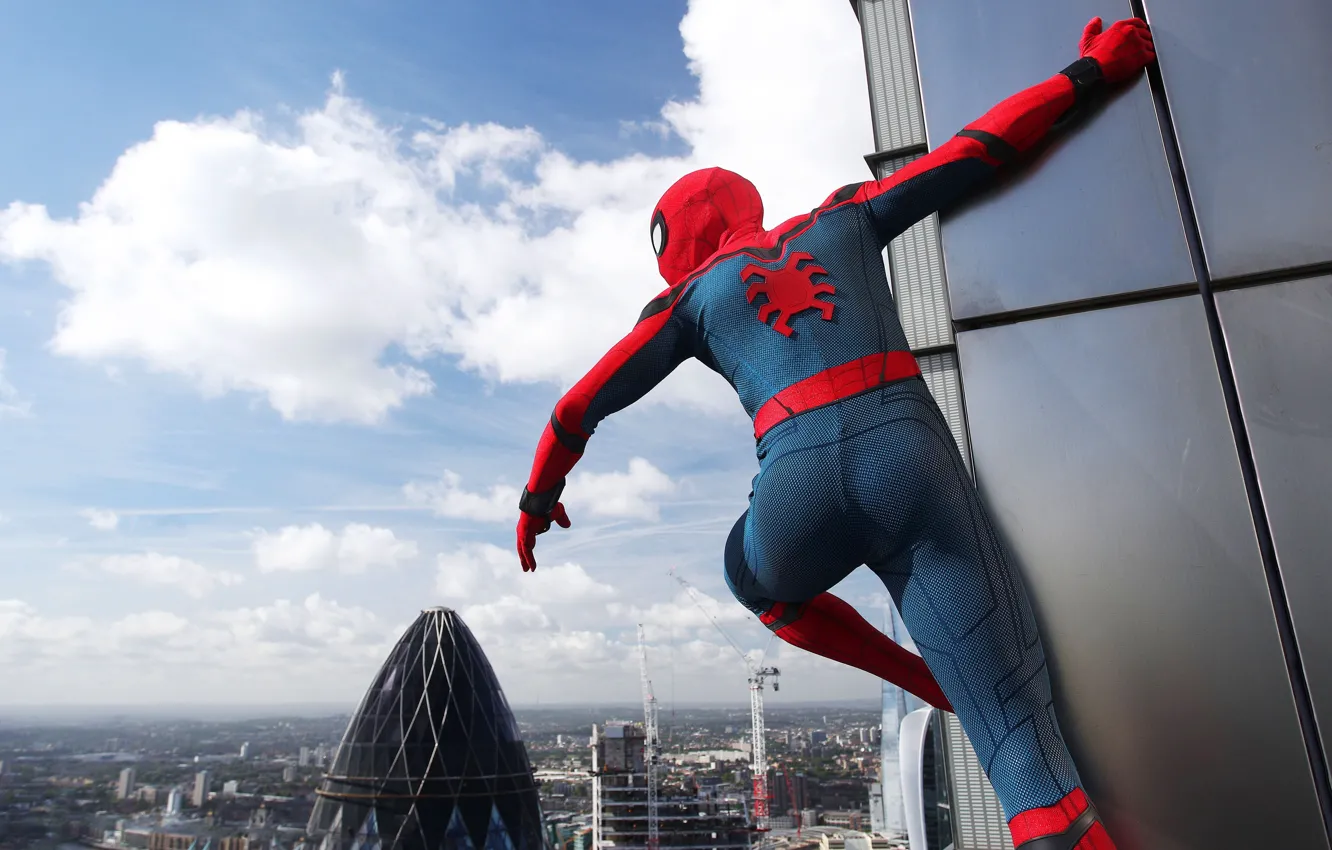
[[856, 463]]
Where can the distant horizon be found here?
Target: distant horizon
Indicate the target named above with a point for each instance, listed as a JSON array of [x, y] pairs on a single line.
[[69, 713]]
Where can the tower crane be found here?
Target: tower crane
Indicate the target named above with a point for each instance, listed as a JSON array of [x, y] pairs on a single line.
[[758, 678], [651, 746]]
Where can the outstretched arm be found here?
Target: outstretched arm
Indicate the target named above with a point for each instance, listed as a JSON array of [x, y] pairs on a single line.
[[626, 373], [967, 161]]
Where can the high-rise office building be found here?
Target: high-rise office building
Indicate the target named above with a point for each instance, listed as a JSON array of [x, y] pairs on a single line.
[[175, 801], [245, 750], [203, 784], [897, 704], [289, 773], [125, 787], [1129, 355], [305, 757], [926, 788], [703, 820], [432, 757]]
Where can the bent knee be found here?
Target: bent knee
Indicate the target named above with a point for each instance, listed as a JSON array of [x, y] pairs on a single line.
[[740, 578]]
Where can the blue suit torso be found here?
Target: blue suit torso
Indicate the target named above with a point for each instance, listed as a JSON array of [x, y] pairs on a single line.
[[758, 360]]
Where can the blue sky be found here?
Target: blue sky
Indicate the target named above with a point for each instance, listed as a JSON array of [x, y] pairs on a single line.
[[279, 343]]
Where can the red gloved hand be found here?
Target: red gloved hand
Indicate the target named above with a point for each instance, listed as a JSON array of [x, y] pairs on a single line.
[[530, 525], [1122, 51]]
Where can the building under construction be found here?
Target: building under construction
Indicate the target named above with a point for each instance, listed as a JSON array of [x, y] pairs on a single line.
[[620, 798]]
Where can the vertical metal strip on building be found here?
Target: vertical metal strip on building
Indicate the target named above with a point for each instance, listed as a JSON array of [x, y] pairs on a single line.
[[899, 121], [941, 372], [980, 824], [915, 259], [916, 269]]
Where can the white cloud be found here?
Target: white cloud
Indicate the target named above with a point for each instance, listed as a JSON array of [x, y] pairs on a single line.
[[288, 261], [363, 547], [316, 621], [447, 498], [310, 650], [485, 570], [102, 520], [149, 625], [529, 623], [621, 494], [313, 547], [168, 571], [683, 616], [11, 406], [508, 615], [611, 494]]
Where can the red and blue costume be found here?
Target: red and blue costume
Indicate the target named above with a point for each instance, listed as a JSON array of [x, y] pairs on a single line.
[[857, 465]]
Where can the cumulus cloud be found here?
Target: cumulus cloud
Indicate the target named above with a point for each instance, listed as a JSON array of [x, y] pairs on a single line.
[[310, 649], [448, 498], [529, 623], [621, 494], [562, 622], [102, 520], [484, 570], [149, 625], [314, 622], [11, 405], [23, 629], [632, 493], [355, 549], [321, 265], [168, 571], [700, 615]]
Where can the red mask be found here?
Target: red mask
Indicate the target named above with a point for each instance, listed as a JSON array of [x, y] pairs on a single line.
[[699, 214]]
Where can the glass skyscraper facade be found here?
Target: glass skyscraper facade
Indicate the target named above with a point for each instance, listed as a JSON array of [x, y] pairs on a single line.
[[897, 703], [432, 757]]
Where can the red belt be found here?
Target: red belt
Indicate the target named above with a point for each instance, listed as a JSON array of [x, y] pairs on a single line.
[[834, 384]]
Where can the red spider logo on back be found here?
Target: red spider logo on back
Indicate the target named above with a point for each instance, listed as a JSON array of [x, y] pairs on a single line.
[[789, 290]]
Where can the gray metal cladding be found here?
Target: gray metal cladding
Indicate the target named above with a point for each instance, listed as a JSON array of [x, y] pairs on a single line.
[[894, 93], [1250, 90], [1102, 444], [1095, 215], [915, 265], [941, 376], [1280, 342]]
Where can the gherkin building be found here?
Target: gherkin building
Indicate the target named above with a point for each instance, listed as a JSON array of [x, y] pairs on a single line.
[[432, 759]]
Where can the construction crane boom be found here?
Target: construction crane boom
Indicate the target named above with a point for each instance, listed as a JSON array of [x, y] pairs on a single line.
[[759, 750], [651, 746]]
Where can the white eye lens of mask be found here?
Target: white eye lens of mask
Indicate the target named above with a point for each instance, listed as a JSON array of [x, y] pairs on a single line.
[[658, 234]]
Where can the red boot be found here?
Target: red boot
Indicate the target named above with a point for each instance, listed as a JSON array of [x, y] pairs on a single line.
[[1070, 824]]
